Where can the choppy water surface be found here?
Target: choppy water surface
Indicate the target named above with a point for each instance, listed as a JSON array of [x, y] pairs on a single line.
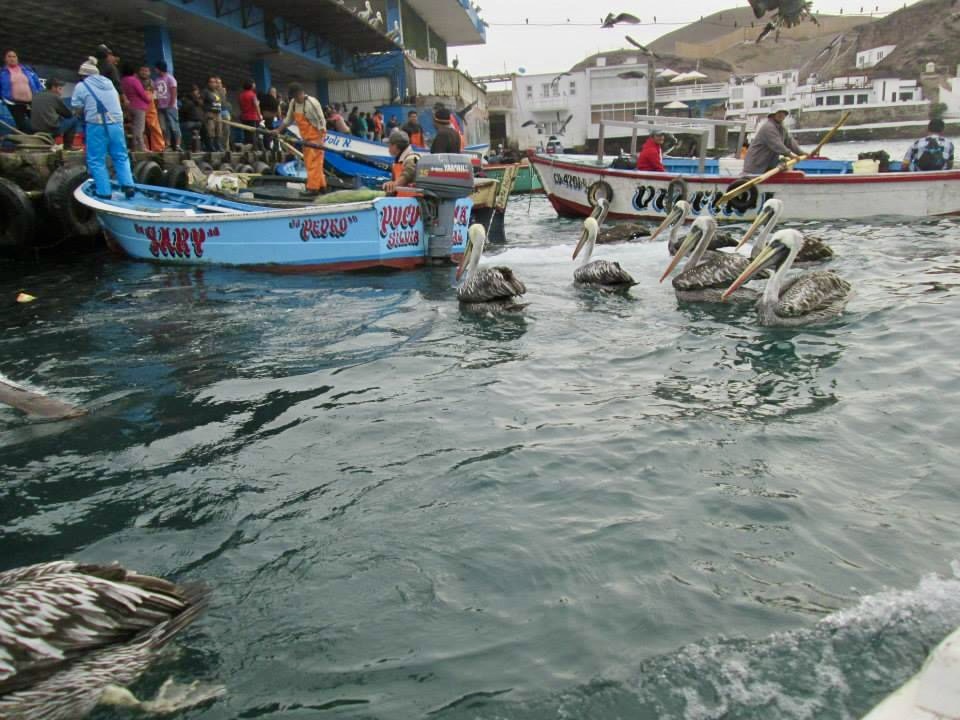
[[608, 507]]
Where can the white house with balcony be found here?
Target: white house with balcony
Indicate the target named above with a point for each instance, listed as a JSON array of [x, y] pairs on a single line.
[[543, 103], [869, 58], [857, 91]]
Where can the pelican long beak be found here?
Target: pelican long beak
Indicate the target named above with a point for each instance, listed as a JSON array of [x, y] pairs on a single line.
[[465, 258], [768, 256], [689, 242], [673, 217], [584, 234], [762, 219]]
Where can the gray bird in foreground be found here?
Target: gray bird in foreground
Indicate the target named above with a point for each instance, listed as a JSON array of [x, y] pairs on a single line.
[[487, 288], [602, 274], [74, 636]]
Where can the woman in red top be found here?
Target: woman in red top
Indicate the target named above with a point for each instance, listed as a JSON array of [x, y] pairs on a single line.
[[250, 114], [651, 156]]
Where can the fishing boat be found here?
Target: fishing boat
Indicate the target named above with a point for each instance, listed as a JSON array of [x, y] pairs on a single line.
[[573, 186], [527, 181], [427, 223]]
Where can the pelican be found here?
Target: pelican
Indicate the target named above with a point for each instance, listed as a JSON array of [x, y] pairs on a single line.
[[706, 273], [674, 221], [494, 288], [367, 13], [621, 232], [378, 20], [813, 250], [74, 636], [814, 297], [610, 20], [603, 274]]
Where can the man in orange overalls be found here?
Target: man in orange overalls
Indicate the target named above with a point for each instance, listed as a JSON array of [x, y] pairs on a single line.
[[307, 113]]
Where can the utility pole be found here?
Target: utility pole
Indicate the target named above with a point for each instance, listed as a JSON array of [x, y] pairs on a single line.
[[651, 85]]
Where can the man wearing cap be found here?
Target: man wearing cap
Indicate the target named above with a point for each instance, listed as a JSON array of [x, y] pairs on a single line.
[[98, 101], [447, 140], [405, 161], [307, 113], [771, 141], [50, 114], [650, 157]]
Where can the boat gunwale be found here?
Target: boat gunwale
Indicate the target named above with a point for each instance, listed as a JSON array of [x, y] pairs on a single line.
[[785, 178]]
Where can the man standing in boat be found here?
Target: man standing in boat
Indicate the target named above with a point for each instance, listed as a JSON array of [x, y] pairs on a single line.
[[99, 102], [771, 142], [405, 160], [307, 113]]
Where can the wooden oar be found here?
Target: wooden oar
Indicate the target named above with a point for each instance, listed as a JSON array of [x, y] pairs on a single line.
[[753, 182]]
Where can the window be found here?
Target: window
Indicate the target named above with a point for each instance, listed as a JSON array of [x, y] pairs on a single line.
[[529, 92], [573, 88], [773, 90], [556, 89], [833, 99], [893, 97], [863, 99], [904, 96], [736, 93], [616, 111], [545, 90], [819, 101], [848, 99]]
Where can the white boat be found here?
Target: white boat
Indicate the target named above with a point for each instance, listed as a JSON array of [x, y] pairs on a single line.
[[573, 187]]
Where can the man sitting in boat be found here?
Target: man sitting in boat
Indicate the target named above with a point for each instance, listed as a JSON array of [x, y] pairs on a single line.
[[771, 141], [651, 155], [933, 152], [405, 161]]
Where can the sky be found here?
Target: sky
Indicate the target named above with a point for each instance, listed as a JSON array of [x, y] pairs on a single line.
[[549, 44]]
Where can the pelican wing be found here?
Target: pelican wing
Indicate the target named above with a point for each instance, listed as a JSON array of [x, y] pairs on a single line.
[[603, 272], [716, 270], [491, 283], [54, 613], [812, 294]]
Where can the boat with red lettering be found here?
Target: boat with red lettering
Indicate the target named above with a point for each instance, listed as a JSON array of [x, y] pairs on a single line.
[[428, 223]]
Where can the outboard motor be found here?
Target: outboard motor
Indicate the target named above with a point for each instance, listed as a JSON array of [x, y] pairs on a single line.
[[443, 179]]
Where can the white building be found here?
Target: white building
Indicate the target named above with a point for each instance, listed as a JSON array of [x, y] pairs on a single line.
[[547, 101], [869, 58]]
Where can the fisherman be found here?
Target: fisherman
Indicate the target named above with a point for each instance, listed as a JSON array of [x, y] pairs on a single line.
[[307, 113], [414, 130], [650, 157], [771, 141], [447, 140], [933, 152], [98, 101], [212, 122], [405, 161], [50, 114]]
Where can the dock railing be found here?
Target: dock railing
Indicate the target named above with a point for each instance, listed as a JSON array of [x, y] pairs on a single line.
[[690, 126]]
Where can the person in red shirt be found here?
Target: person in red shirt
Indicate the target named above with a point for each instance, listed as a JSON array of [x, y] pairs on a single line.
[[651, 156], [250, 114]]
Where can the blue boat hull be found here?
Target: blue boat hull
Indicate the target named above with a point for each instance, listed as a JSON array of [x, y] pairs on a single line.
[[181, 227]]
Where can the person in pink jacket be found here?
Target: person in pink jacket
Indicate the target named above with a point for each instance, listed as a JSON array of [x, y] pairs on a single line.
[[138, 103]]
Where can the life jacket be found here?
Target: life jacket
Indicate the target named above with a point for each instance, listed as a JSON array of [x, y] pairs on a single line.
[[931, 158]]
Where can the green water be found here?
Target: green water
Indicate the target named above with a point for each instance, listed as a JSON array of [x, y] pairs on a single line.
[[606, 508]]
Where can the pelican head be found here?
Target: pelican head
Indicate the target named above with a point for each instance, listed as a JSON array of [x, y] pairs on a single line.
[[701, 233], [588, 237], [767, 218], [784, 246], [476, 239], [600, 210], [675, 218]]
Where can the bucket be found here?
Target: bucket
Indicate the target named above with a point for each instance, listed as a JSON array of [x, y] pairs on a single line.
[[866, 167]]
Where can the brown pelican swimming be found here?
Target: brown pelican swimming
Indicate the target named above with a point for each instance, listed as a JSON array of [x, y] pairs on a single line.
[[603, 274], [807, 299], [621, 232], [707, 273], [488, 288], [814, 249], [674, 222], [74, 636]]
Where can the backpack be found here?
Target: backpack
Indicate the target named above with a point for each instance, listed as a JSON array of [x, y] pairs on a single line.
[[931, 158]]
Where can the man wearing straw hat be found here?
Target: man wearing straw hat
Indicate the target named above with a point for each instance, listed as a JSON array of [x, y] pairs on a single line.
[[771, 141], [97, 100]]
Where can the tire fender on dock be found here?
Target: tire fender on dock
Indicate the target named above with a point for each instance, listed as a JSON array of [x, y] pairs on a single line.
[[177, 177], [148, 172], [18, 220], [76, 219]]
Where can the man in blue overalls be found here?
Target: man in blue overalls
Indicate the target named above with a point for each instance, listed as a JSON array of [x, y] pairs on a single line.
[[97, 98]]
